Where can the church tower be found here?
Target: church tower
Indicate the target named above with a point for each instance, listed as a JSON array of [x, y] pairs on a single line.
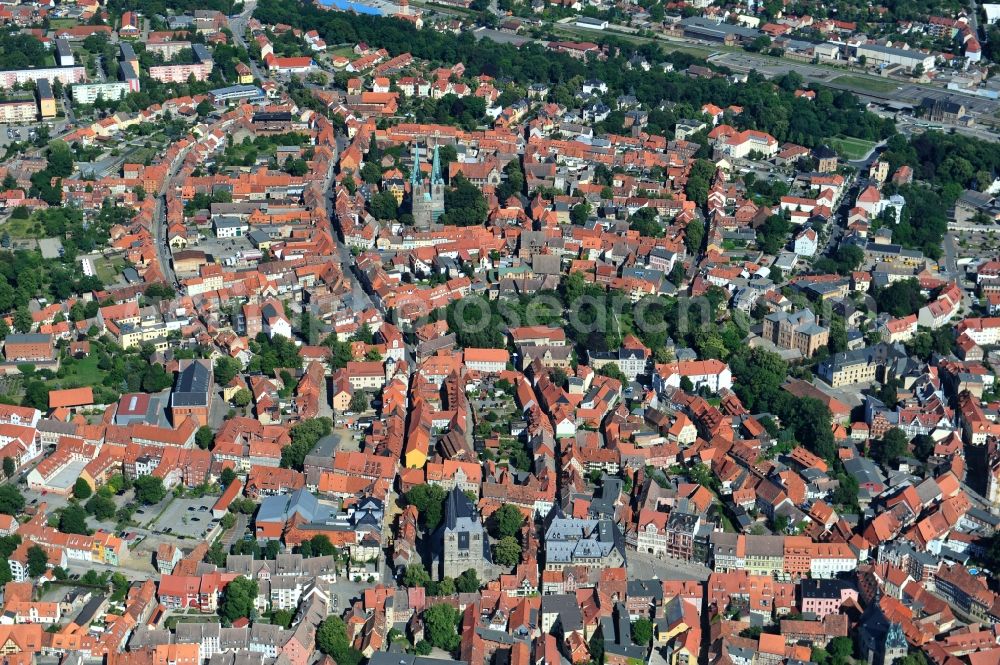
[[426, 194]]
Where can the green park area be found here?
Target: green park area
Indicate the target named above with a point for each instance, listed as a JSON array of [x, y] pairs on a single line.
[[851, 148]]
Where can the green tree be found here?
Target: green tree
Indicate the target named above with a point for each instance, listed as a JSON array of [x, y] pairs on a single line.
[[242, 398], [11, 501], [849, 256], [840, 648], [694, 236], [331, 639], [149, 489], [759, 374], [893, 445], [580, 213], [304, 436], [238, 599], [283, 618], [445, 587], [923, 446], [440, 623], [36, 395], [38, 561], [321, 546], [22, 320], [507, 521], [464, 204], [507, 552], [297, 167], [901, 298], [9, 466], [467, 582], [81, 489], [383, 206], [73, 519], [204, 108], [227, 476], [699, 180], [642, 631], [204, 437], [838, 335], [415, 576], [359, 401], [644, 220], [371, 173], [225, 370], [101, 507], [773, 234], [60, 160], [429, 500]]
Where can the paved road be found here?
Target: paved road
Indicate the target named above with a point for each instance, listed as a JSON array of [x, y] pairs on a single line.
[[159, 222], [238, 25], [950, 257], [234, 534]]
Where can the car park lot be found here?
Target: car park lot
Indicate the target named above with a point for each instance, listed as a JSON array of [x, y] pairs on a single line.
[[183, 518]]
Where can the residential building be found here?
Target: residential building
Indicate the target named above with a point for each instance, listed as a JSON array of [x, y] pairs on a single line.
[[798, 331]]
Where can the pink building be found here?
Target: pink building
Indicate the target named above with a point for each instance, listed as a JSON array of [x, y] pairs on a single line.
[[180, 73], [67, 75], [822, 597]]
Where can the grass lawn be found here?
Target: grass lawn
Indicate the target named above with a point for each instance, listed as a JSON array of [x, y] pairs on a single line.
[[140, 155], [865, 83], [108, 270], [82, 372], [22, 228], [58, 23], [851, 148], [346, 51]]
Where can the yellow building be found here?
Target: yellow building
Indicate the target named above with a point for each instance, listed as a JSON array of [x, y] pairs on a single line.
[[46, 100], [243, 74]]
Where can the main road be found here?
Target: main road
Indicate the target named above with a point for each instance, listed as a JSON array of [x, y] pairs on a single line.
[[159, 221]]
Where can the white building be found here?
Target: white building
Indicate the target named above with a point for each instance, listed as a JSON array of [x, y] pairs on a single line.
[[230, 227], [487, 361], [88, 93], [877, 55], [713, 374], [830, 559], [805, 243]]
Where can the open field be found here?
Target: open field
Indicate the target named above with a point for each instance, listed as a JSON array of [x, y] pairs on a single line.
[[851, 148], [109, 270], [21, 228]]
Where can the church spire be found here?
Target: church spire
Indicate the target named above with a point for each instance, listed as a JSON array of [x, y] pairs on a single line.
[[436, 178], [415, 175]]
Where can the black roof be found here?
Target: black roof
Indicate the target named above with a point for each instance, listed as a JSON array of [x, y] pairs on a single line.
[[458, 506], [192, 385], [824, 152], [823, 588], [272, 116]]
